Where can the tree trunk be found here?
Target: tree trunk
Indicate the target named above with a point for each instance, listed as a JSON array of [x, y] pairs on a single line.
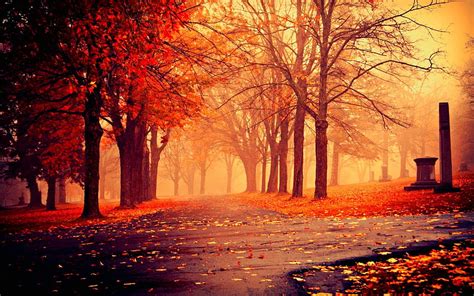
[[202, 171], [321, 159], [92, 135], [273, 176], [250, 166], [126, 200], [35, 194], [103, 173], [283, 185], [229, 177], [146, 173], [62, 190], [51, 198], [335, 165], [176, 181], [155, 155], [155, 159], [138, 155], [298, 151], [264, 174], [191, 173], [403, 160]]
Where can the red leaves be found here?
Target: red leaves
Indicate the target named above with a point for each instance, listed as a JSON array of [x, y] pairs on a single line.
[[66, 215], [369, 199]]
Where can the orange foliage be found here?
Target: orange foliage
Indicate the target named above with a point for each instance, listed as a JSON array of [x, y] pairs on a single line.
[[66, 215], [369, 199]]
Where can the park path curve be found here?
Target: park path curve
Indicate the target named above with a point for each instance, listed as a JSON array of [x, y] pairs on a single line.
[[212, 246]]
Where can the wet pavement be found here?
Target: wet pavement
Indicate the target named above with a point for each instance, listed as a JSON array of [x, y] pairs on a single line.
[[211, 246]]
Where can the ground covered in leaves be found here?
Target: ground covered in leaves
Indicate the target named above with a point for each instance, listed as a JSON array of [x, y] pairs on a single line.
[[67, 215], [370, 199], [447, 270]]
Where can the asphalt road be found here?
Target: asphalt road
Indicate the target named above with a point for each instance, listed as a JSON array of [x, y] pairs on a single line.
[[212, 246]]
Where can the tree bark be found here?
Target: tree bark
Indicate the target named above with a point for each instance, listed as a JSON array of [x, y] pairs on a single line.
[[62, 190], [250, 166], [202, 172], [264, 174], [176, 181], [283, 159], [155, 155], [335, 165], [103, 173], [229, 179], [92, 135], [35, 194], [146, 173], [190, 173], [403, 160], [126, 200], [273, 176], [321, 159], [298, 151], [271, 142], [138, 155], [154, 161], [51, 197]]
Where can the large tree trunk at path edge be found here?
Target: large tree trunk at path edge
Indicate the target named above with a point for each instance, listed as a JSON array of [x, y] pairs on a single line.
[[202, 171], [62, 190], [51, 198], [283, 185], [250, 166], [137, 156], [35, 194], [103, 174], [155, 159], [126, 200], [273, 175], [263, 174], [335, 165], [298, 152], [321, 159], [92, 135], [146, 174], [155, 154]]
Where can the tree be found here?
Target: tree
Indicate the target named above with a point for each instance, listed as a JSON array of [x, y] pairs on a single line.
[[357, 40], [82, 43], [155, 155]]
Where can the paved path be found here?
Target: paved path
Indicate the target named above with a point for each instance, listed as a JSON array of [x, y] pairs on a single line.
[[212, 246]]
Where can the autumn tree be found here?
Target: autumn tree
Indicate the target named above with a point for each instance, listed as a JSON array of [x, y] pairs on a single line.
[[357, 40], [84, 43]]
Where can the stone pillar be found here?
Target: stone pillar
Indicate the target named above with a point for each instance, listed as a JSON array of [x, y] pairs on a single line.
[[446, 171]]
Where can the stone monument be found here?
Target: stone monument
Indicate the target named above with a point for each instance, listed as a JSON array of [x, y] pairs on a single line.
[[425, 174], [446, 182]]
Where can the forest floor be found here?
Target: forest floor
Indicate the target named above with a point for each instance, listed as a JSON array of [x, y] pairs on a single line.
[[214, 245], [370, 199]]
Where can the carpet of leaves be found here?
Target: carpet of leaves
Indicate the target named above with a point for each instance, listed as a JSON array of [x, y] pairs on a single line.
[[370, 199], [447, 270], [67, 215]]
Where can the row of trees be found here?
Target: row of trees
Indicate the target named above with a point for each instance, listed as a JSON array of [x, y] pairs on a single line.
[[136, 69], [330, 60], [76, 69]]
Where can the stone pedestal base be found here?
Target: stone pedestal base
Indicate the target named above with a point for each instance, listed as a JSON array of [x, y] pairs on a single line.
[[444, 189], [421, 186]]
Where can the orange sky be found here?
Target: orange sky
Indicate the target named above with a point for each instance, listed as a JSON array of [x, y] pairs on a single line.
[[457, 18]]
